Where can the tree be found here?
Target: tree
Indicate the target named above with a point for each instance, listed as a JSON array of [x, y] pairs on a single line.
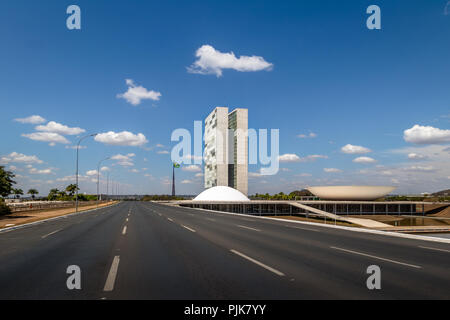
[[6, 182], [33, 193], [17, 193], [53, 194], [71, 189]]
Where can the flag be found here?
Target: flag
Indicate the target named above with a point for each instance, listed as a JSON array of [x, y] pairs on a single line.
[[176, 165]]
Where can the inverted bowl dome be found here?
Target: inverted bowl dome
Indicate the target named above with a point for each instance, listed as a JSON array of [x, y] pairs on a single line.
[[221, 193], [351, 192]]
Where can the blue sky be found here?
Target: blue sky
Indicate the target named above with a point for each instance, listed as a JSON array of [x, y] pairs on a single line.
[[329, 76]]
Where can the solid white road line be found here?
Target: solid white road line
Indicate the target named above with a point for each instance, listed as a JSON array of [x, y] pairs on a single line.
[[279, 273], [308, 229], [169, 219], [124, 231], [248, 228], [379, 258], [192, 230], [109, 285], [126, 220], [437, 249], [43, 237]]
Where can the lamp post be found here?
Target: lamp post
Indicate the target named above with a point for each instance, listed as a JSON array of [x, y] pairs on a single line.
[[78, 148], [98, 177]]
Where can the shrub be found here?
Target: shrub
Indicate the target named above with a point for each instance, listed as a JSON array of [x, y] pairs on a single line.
[[4, 209]]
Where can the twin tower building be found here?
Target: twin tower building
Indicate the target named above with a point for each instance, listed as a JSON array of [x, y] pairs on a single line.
[[226, 149]]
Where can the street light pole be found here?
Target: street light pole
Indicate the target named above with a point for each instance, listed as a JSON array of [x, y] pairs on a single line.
[[78, 148], [98, 177]]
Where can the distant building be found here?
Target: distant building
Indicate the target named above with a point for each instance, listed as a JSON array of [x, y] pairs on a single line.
[[226, 149]]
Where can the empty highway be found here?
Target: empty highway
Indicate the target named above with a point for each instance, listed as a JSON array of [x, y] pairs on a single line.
[[142, 250]]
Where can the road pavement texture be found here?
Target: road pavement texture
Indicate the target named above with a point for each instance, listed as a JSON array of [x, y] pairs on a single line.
[[143, 250]]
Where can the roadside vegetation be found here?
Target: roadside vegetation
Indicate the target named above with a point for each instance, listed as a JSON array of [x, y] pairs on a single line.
[[162, 197], [282, 196]]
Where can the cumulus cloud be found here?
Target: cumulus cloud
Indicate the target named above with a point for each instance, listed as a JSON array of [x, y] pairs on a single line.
[[124, 138], [19, 158], [135, 94], [105, 169], [332, 170], [91, 173], [43, 171], [289, 157], [56, 127], [50, 137], [416, 156], [212, 61], [364, 160], [35, 119], [426, 135], [352, 149], [124, 160], [420, 168], [309, 135], [191, 168]]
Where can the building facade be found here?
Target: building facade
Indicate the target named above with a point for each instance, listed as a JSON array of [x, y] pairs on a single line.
[[226, 149]]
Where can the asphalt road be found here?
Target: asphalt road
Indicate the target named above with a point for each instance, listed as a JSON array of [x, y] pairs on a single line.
[[138, 250]]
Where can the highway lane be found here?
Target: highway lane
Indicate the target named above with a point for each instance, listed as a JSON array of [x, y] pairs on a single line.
[[138, 250]]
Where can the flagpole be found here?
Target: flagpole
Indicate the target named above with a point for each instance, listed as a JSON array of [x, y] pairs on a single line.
[[173, 180]]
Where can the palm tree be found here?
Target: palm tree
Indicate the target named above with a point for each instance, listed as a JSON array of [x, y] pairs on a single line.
[[33, 192], [53, 194], [17, 193], [71, 188]]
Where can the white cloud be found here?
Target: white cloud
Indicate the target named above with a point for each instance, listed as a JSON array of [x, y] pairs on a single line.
[[35, 119], [254, 174], [124, 160], [162, 152], [332, 170], [186, 181], [352, 149], [19, 158], [304, 175], [416, 156], [136, 94], [310, 135], [212, 61], [420, 168], [159, 145], [192, 168], [50, 137], [55, 127], [199, 175], [426, 135], [75, 147], [134, 170], [91, 173], [447, 8], [124, 138], [105, 169], [364, 160], [43, 171], [289, 157]]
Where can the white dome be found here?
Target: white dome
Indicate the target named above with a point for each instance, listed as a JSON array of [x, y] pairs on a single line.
[[221, 193]]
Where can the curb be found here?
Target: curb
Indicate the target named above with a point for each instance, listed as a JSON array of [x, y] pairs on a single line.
[[25, 225]]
